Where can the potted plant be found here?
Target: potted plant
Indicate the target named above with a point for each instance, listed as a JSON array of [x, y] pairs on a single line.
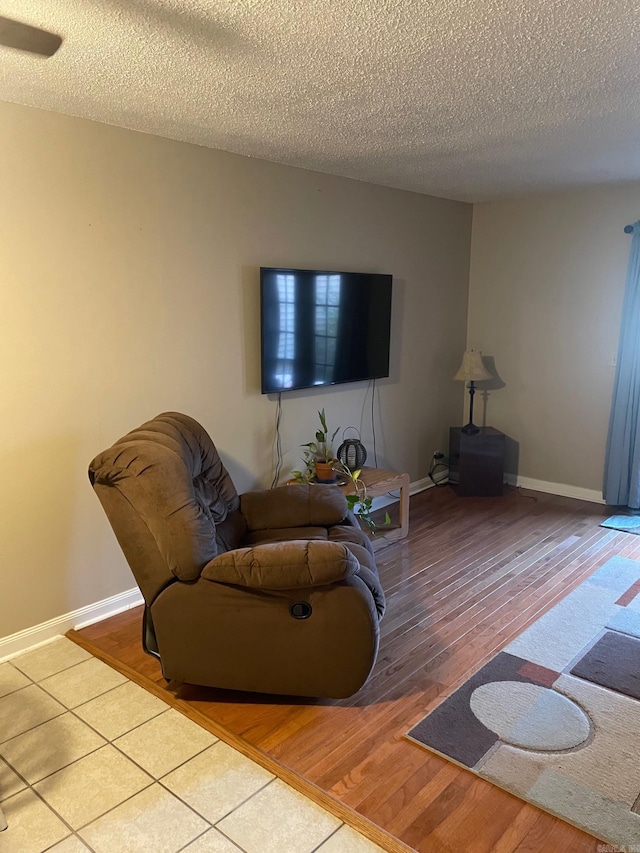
[[320, 453], [319, 456]]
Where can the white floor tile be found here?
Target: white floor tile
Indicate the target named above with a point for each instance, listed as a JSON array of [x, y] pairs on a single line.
[[82, 682], [50, 658], [153, 821], [50, 746], [114, 805], [165, 742], [32, 827], [93, 785], [347, 840], [217, 780], [24, 709], [279, 820], [212, 842], [117, 712], [70, 845], [11, 679], [10, 783]]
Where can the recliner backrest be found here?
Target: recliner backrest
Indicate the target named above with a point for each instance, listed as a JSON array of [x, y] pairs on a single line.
[[165, 489]]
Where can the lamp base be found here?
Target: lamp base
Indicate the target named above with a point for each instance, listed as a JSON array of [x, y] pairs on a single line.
[[470, 429]]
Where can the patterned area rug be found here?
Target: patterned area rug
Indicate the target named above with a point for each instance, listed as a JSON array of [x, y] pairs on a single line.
[[555, 717]]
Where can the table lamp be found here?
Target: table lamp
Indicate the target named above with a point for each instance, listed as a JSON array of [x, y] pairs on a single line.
[[472, 370]]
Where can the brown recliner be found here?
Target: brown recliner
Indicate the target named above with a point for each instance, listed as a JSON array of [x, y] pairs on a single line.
[[274, 591]]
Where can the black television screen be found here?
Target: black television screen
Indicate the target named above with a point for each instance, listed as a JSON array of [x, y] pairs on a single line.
[[321, 328]]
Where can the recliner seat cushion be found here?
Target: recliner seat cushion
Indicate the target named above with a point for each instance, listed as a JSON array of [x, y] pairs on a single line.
[[284, 534], [294, 506]]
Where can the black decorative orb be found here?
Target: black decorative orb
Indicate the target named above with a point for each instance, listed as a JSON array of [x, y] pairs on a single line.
[[352, 451]]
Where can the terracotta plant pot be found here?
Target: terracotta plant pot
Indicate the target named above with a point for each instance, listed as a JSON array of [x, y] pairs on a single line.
[[325, 472]]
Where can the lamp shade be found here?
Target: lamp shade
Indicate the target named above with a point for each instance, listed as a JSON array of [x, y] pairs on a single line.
[[472, 368]]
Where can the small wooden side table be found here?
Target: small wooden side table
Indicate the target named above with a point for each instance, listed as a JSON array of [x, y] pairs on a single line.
[[378, 483]]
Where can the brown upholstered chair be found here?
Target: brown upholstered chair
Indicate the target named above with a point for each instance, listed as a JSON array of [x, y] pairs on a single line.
[[274, 591]]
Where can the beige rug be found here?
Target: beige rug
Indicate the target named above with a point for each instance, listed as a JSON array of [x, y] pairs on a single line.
[[555, 717]]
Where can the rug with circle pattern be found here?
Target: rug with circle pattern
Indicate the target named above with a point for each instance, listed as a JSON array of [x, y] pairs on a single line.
[[555, 717]]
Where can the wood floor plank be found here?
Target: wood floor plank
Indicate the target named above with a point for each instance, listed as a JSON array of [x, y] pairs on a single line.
[[470, 577]]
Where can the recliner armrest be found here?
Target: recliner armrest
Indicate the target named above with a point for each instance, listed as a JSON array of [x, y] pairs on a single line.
[[298, 505], [295, 564]]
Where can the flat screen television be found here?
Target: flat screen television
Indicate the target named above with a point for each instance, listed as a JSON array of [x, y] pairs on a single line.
[[320, 327]]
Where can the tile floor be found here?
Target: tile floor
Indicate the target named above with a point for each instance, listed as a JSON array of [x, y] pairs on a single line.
[[89, 761]]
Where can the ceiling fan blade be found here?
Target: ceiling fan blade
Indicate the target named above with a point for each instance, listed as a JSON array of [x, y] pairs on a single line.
[[23, 37]]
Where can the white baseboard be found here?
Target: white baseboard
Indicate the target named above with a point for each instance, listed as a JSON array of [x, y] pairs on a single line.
[[16, 644], [555, 488], [561, 489], [421, 485], [414, 488]]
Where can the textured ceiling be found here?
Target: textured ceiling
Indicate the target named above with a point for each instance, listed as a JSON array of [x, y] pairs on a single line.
[[466, 99]]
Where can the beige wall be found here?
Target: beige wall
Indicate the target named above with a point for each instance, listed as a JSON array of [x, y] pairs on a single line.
[[130, 286], [546, 286]]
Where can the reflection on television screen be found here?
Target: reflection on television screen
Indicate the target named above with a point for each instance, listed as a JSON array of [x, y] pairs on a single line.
[[323, 328]]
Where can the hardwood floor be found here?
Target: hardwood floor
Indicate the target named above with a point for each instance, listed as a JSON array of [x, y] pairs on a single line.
[[473, 573]]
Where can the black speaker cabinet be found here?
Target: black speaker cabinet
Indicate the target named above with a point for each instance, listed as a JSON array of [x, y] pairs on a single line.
[[476, 462]]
